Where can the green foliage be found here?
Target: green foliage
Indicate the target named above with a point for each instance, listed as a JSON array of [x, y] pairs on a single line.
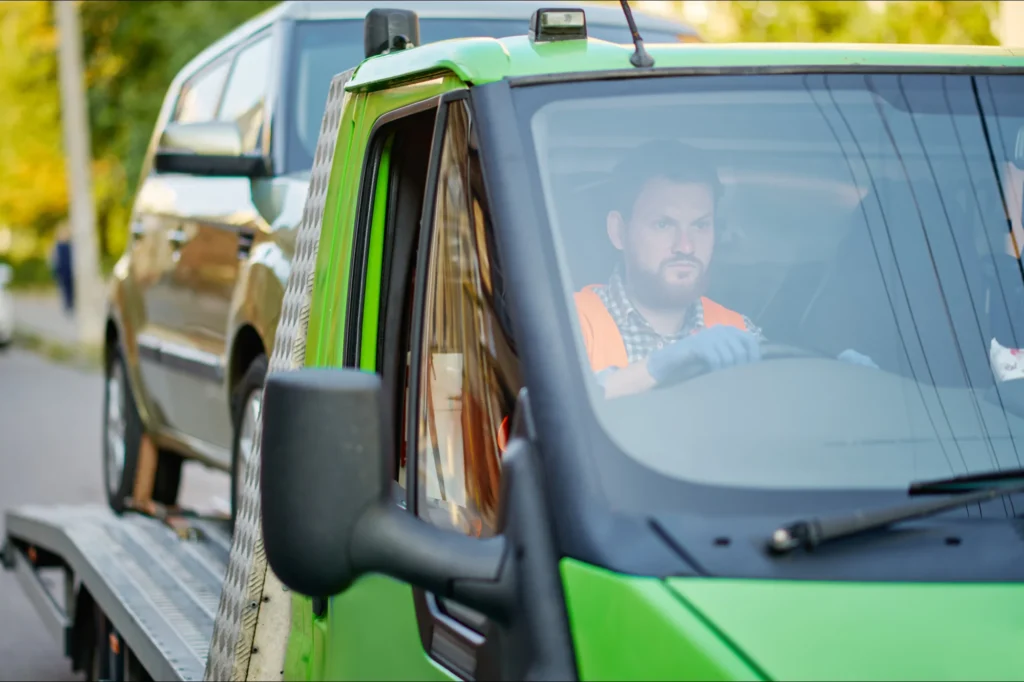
[[30, 273], [920, 21], [132, 52], [33, 191]]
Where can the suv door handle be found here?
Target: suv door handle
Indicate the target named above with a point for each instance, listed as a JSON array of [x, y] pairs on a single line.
[[177, 237], [245, 240]]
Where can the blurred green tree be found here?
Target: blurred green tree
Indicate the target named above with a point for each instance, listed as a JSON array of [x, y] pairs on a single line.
[[33, 193], [897, 21], [132, 51]]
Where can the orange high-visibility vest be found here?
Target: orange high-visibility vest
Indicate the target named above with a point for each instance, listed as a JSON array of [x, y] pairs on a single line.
[[603, 340]]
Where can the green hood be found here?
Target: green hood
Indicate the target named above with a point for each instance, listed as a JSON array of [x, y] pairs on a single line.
[[627, 627], [864, 631]]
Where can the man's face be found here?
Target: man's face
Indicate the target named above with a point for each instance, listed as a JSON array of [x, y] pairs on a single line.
[[667, 242]]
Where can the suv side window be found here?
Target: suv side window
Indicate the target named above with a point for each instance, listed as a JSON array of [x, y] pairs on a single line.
[[201, 94], [468, 371], [246, 91]]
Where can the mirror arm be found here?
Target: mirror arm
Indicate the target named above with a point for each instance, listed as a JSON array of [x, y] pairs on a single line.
[[471, 571], [494, 598]]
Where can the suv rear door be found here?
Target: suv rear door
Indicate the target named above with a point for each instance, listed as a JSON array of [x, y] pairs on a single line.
[[207, 223], [220, 224], [160, 229]]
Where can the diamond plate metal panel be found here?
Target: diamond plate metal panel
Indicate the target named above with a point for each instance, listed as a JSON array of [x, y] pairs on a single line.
[[159, 591], [249, 596]]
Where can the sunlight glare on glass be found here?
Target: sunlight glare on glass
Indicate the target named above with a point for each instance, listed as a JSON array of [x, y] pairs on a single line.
[[696, 11]]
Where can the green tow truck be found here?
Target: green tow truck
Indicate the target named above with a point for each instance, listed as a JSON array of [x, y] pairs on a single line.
[[465, 472]]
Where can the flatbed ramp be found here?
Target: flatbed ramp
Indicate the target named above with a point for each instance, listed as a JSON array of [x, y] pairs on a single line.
[[159, 586]]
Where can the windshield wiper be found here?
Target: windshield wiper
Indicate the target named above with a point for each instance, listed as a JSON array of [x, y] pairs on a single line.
[[964, 490], [964, 483]]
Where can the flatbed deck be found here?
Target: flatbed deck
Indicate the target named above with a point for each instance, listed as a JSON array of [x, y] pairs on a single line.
[[159, 588]]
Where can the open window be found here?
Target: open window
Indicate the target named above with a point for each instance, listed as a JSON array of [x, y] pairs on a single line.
[[464, 378], [381, 281]]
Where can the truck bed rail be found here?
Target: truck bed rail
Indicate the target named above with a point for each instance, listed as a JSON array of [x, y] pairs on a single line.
[[159, 590]]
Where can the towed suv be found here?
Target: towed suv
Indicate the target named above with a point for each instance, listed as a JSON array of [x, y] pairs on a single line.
[[195, 299]]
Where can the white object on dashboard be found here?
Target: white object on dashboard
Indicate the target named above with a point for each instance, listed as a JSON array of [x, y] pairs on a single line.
[[1007, 363]]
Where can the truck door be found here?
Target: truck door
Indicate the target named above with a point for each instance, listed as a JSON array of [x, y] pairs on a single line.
[[425, 317]]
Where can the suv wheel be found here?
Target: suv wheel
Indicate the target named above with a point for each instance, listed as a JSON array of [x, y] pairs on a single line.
[[246, 405], [122, 437]]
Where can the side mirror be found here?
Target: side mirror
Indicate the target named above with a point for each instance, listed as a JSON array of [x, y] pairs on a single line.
[[328, 515], [208, 148], [385, 30]]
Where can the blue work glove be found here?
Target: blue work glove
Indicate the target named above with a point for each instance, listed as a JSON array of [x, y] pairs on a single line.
[[853, 357], [719, 346]]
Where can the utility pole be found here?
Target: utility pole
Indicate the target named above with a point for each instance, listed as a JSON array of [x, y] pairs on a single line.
[[1011, 23], [75, 122]]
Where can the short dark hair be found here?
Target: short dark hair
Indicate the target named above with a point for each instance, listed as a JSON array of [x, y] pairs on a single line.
[[666, 158]]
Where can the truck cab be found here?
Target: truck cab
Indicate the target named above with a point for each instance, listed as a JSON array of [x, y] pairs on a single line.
[[610, 361], [479, 474]]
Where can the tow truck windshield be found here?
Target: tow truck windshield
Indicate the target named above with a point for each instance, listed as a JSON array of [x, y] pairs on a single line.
[[793, 281]]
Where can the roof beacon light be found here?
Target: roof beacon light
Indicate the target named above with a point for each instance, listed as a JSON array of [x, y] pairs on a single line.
[[388, 30], [641, 57], [549, 25]]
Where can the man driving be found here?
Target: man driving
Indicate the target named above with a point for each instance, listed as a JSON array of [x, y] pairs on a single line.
[[651, 321]]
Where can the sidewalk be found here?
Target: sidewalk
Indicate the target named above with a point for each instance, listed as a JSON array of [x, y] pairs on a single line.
[[42, 315]]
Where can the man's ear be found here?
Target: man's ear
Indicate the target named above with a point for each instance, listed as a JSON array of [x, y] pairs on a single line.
[[616, 227]]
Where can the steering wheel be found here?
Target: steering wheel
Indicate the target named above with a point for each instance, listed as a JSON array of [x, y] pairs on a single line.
[[769, 351]]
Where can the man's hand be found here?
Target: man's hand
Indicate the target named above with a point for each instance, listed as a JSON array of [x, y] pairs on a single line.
[[853, 357], [717, 347]]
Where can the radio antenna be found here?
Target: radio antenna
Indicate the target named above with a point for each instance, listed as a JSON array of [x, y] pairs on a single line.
[[640, 58]]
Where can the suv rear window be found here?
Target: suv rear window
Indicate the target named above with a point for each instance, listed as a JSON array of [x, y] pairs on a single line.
[[325, 48]]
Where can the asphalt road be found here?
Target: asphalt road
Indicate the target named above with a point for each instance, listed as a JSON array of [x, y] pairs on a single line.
[[50, 453]]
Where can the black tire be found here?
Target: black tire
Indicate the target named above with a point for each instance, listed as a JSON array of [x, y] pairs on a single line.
[[119, 486], [118, 481], [252, 382]]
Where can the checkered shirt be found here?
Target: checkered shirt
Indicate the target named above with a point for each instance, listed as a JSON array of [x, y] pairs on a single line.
[[637, 334]]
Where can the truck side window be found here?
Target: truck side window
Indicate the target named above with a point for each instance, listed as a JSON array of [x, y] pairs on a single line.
[[246, 91], [469, 375], [201, 94]]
